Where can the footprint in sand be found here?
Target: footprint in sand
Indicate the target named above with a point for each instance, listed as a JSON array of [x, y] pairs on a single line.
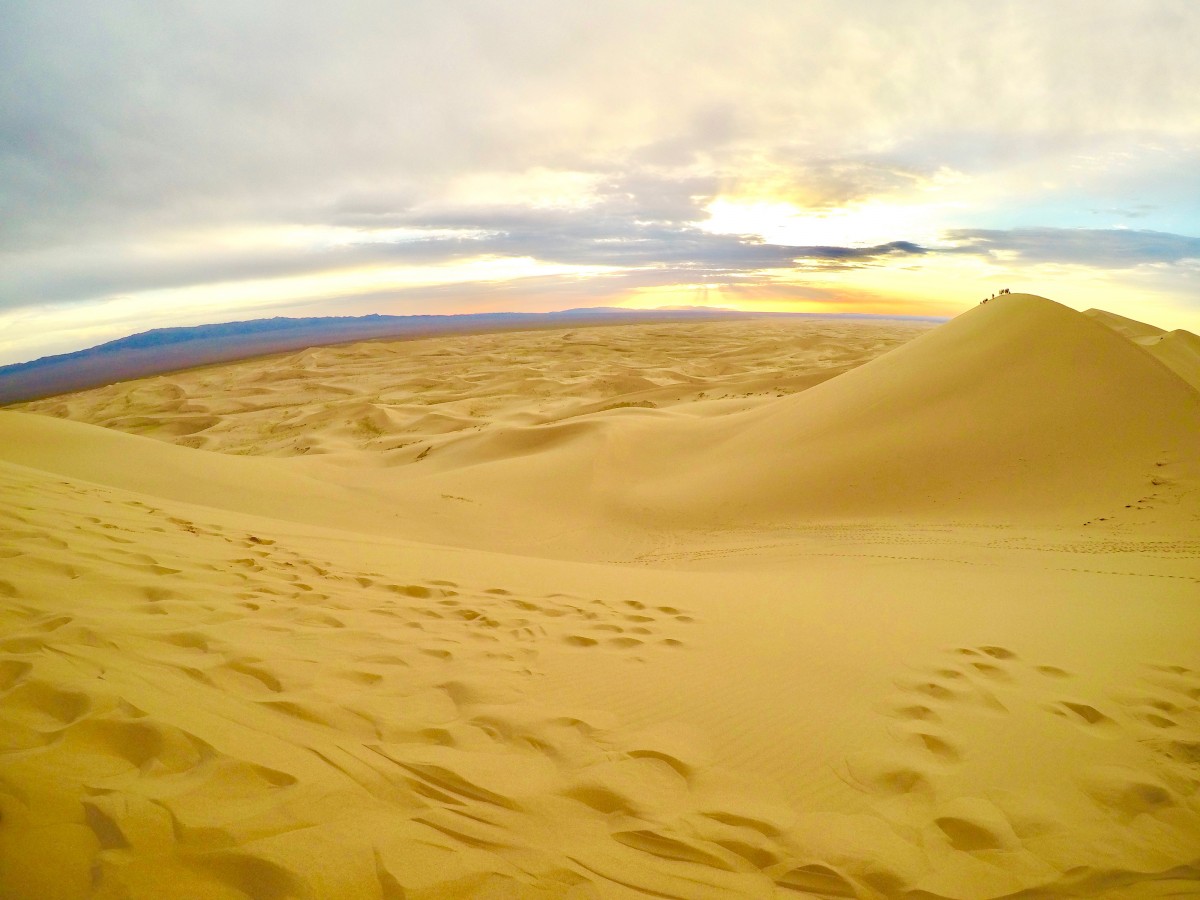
[[1052, 672], [256, 672], [41, 705], [1125, 791], [139, 743], [416, 591], [973, 824], [1161, 715], [938, 746], [926, 710], [1083, 713], [13, 671], [1166, 716], [892, 773], [817, 879]]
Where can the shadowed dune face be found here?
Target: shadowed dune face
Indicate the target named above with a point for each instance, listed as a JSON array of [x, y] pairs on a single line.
[[923, 629]]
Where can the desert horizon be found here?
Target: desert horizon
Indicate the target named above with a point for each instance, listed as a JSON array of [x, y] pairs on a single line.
[[745, 608]]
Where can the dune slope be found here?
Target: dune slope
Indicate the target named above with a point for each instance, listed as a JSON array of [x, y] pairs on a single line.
[[1020, 410]]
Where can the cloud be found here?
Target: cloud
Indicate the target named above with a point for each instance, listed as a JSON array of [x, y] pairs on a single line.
[[1138, 211], [133, 116], [613, 234], [129, 130], [1116, 248]]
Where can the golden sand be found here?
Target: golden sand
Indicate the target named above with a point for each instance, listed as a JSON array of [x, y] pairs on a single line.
[[727, 609]]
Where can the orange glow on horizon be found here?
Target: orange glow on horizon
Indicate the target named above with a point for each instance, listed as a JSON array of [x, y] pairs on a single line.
[[775, 298]]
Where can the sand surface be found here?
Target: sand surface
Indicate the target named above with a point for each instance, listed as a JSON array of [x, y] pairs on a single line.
[[733, 609]]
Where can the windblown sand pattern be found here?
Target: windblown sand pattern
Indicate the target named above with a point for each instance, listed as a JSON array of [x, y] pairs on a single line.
[[636, 611], [388, 396]]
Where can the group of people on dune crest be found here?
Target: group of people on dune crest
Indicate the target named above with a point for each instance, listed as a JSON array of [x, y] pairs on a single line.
[[994, 296]]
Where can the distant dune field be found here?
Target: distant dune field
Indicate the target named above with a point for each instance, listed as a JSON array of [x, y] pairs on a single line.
[[704, 609]]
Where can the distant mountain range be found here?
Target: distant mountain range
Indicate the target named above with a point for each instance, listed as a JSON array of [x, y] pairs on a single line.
[[172, 349]]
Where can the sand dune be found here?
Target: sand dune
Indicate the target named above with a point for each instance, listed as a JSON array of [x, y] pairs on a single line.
[[386, 396], [664, 611], [1019, 410], [1178, 350]]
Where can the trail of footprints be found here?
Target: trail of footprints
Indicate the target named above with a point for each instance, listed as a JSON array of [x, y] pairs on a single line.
[[420, 722], [1156, 723], [283, 591], [976, 677], [418, 728], [421, 725]]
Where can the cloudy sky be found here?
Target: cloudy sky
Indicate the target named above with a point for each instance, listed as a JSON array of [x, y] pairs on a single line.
[[174, 163]]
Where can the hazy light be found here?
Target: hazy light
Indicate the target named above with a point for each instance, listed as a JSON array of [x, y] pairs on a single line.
[[861, 225], [709, 296], [197, 304], [359, 281]]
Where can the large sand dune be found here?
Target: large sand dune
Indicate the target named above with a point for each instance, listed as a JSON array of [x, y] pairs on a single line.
[[663, 610], [1017, 411]]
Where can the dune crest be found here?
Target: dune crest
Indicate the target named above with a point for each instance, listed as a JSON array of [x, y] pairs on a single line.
[[702, 610]]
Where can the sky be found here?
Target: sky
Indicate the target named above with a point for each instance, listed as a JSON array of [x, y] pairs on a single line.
[[167, 163]]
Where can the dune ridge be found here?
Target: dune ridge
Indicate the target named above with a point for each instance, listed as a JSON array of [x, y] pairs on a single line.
[[701, 610], [1178, 350]]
